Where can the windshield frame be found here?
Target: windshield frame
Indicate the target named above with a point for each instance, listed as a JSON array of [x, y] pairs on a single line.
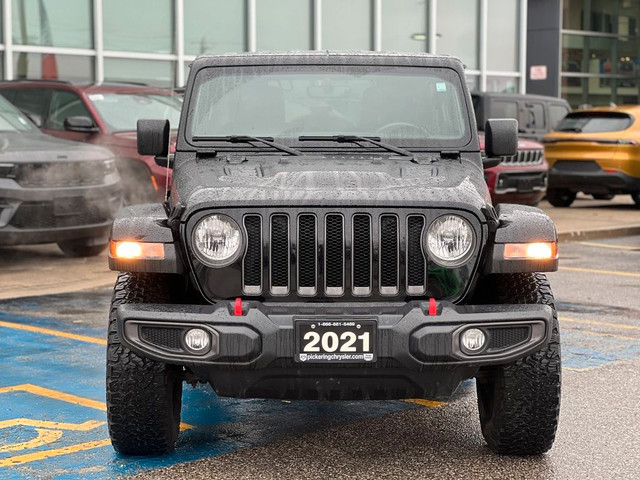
[[465, 142]]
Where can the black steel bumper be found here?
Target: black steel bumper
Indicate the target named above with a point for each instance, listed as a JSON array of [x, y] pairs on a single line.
[[253, 355]]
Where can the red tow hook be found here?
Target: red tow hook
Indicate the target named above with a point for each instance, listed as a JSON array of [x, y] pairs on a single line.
[[237, 308], [433, 307]]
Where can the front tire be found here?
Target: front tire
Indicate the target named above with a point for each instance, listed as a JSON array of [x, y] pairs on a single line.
[[636, 198], [144, 397], [519, 403], [560, 197]]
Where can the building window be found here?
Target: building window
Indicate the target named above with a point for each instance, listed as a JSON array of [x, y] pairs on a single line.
[[404, 25], [48, 23], [458, 34], [283, 24], [75, 68], [503, 35], [502, 84], [214, 26], [150, 72], [138, 26], [346, 25]]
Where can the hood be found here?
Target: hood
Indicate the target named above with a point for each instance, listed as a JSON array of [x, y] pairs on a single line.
[[36, 147], [523, 143], [329, 181]]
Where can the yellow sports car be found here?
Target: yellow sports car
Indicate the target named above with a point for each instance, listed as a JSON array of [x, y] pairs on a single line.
[[595, 151]]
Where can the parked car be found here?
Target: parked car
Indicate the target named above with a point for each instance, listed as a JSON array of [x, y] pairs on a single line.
[[330, 235], [103, 115], [519, 178], [595, 151], [54, 190], [536, 114]]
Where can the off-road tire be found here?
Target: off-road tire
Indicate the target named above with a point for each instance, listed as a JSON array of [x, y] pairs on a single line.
[[519, 403], [143, 396], [560, 197], [81, 248]]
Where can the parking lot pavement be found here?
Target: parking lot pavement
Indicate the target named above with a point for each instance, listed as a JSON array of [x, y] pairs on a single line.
[[52, 421]]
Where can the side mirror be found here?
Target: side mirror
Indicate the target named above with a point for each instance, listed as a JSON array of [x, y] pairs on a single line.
[[501, 137], [153, 137], [80, 124]]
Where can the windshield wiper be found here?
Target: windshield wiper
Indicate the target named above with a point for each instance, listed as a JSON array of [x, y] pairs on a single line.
[[355, 139], [248, 139]]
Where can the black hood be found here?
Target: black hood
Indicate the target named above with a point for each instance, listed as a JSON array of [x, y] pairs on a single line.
[[36, 147], [371, 181]]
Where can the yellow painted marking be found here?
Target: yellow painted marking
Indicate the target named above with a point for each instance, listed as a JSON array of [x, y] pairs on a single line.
[[44, 437], [606, 245], [55, 333], [424, 403], [601, 324], [602, 334], [602, 272], [55, 452], [27, 422], [54, 394]]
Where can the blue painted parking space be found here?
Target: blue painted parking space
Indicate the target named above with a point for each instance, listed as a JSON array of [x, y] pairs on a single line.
[[53, 423]]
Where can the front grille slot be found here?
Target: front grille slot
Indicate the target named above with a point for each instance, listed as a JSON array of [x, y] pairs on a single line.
[[252, 262], [416, 268], [389, 261], [307, 255], [523, 157], [279, 255], [361, 255], [334, 255]]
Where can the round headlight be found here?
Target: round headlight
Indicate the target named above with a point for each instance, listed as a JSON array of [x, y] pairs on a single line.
[[450, 241], [217, 240]]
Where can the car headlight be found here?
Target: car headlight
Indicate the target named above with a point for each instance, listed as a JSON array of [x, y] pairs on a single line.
[[109, 167], [450, 240], [217, 240]]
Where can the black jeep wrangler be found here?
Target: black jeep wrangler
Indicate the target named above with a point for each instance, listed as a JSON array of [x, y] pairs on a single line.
[[329, 235]]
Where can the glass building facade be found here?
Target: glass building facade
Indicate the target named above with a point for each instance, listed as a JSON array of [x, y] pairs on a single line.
[[153, 41], [600, 51]]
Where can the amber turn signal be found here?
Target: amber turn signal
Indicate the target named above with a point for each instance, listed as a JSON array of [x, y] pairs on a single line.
[[133, 250], [531, 251]]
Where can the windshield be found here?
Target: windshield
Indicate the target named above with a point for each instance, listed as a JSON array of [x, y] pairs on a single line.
[[12, 120], [414, 106], [121, 111], [594, 122]]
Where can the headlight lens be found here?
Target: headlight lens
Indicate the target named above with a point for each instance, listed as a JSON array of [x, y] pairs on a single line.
[[217, 240], [450, 240]]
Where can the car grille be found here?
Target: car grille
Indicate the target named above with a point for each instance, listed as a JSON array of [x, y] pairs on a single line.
[[60, 174], [332, 254], [523, 157], [42, 215]]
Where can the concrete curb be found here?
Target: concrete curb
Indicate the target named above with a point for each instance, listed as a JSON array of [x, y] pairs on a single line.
[[599, 233]]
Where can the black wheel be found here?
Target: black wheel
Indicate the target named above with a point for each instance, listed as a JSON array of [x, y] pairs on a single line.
[[143, 396], [636, 198], [83, 247], [560, 197], [519, 403], [603, 196]]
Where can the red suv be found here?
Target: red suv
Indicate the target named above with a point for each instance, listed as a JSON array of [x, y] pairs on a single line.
[[103, 115]]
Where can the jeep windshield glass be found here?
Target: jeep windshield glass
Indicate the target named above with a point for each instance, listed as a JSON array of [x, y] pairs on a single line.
[[408, 106], [121, 111], [12, 120]]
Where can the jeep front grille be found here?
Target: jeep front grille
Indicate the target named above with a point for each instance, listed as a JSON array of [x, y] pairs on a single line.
[[329, 254], [523, 157]]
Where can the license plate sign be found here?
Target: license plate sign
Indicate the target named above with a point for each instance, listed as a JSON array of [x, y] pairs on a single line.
[[68, 206], [335, 341], [527, 184]]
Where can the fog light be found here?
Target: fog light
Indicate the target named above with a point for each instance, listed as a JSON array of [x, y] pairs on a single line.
[[197, 340], [473, 339]]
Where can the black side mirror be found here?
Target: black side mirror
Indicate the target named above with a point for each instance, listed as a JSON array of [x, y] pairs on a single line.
[[80, 124], [153, 137], [501, 137]]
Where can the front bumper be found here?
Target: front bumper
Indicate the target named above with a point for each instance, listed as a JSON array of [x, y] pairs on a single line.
[[417, 354]]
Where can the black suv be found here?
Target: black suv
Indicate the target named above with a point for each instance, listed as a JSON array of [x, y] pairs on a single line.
[[329, 235], [54, 190]]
